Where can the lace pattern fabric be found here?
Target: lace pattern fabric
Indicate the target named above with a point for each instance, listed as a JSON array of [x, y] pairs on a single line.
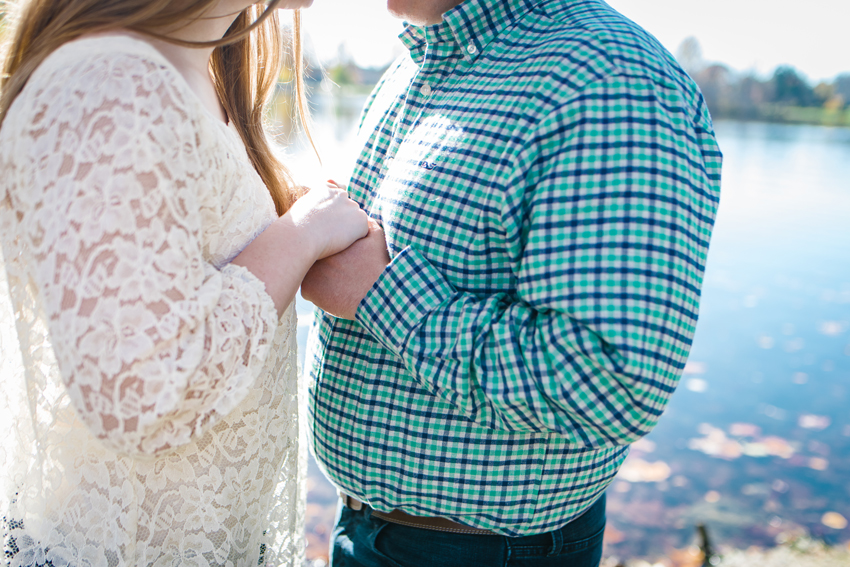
[[151, 407]]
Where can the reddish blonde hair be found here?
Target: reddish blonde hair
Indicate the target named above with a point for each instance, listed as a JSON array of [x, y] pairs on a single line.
[[245, 63]]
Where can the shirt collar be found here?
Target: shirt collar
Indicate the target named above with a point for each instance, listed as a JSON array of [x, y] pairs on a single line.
[[472, 25]]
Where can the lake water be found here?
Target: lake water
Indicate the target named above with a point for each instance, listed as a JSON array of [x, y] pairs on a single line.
[[756, 442]]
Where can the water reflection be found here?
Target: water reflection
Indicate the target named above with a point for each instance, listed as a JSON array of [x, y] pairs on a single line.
[[756, 442]]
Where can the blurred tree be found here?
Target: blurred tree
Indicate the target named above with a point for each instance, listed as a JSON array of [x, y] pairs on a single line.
[[791, 89], [689, 56], [342, 74], [842, 87], [748, 94], [824, 91], [343, 71], [825, 94], [714, 81]]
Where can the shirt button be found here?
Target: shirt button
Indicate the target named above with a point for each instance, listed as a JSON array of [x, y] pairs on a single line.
[[425, 90], [471, 49]]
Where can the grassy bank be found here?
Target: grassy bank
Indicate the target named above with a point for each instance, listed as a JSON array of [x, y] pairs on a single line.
[[816, 116], [801, 115]]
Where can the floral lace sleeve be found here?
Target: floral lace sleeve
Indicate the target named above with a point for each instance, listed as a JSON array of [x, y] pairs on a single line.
[[154, 342]]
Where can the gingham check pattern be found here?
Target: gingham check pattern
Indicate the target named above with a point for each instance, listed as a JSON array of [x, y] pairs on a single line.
[[548, 179]]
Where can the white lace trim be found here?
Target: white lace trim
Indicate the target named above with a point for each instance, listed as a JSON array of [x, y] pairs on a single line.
[[151, 393]]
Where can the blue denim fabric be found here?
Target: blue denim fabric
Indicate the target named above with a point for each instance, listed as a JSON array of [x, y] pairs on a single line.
[[360, 540]]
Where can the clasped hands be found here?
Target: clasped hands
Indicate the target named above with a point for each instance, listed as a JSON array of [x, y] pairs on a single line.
[[337, 284]]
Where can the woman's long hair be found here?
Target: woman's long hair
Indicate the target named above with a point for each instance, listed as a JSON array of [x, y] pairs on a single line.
[[245, 63]]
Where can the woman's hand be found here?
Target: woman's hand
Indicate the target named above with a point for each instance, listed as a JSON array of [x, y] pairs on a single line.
[[330, 219], [322, 222]]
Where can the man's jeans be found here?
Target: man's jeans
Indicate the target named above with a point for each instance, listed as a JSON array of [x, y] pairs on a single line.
[[359, 540]]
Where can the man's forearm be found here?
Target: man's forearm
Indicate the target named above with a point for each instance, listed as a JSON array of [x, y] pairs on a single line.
[[338, 283], [509, 366]]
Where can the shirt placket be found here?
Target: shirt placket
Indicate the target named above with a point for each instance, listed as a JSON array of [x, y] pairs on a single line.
[[436, 65]]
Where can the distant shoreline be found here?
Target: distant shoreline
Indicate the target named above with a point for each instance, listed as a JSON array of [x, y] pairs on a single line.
[[810, 116], [768, 114]]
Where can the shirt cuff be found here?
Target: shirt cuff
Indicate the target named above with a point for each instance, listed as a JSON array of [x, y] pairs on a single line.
[[408, 290]]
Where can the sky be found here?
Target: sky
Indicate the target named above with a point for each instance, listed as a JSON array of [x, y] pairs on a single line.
[[748, 35]]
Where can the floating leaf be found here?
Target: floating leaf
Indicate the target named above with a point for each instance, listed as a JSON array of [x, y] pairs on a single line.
[[811, 421], [638, 470], [834, 520], [744, 430]]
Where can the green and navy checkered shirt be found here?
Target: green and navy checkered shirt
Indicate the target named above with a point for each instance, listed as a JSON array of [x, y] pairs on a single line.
[[548, 178]]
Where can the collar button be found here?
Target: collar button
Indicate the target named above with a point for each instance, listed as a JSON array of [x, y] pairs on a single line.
[[471, 49]]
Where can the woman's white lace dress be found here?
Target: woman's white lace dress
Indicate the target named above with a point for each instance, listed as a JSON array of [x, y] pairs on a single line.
[[149, 392]]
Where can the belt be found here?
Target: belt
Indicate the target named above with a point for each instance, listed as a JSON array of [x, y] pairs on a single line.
[[405, 519]]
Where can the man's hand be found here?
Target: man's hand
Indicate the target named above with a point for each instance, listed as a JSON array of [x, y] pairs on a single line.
[[339, 283]]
